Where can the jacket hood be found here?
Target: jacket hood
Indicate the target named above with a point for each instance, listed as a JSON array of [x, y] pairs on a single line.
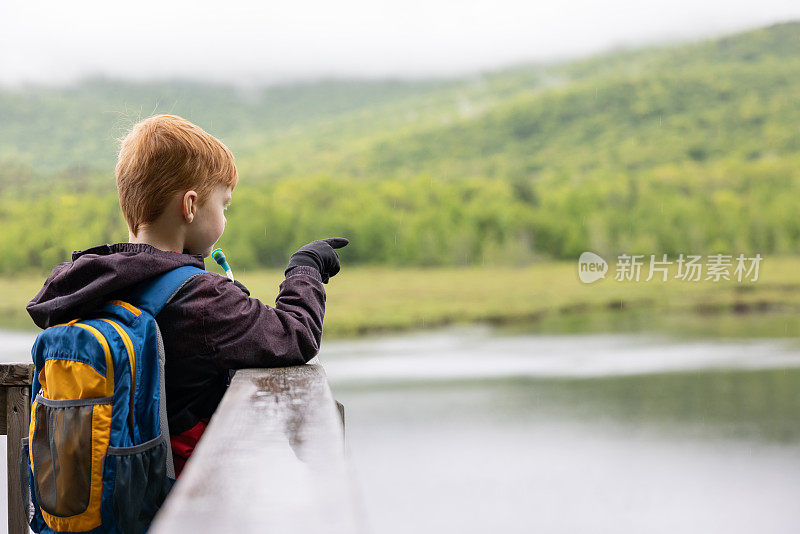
[[77, 286]]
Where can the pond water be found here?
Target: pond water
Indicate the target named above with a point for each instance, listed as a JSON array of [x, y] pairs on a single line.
[[628, 424]]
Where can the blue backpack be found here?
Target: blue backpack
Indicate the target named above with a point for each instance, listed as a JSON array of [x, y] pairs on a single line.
[[97, 457]]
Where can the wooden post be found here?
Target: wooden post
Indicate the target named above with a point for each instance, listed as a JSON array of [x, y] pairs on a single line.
[[15, 379], [18, 412]]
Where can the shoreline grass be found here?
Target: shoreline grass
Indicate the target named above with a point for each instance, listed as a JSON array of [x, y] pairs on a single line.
[[369, 300]]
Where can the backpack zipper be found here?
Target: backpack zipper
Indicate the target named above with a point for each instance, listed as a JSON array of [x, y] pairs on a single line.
[[106, 349], [126, 340], [130, 307]]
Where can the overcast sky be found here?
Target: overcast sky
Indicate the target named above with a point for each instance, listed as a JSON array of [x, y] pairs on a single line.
[[263, 41]]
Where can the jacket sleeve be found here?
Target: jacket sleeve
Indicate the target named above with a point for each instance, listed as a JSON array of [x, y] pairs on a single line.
[[235, 331]]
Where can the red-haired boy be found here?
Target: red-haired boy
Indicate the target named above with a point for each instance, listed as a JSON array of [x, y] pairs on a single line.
[[175, 181]]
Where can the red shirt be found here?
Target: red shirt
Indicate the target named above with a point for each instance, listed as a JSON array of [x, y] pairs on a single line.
[[183, 444]]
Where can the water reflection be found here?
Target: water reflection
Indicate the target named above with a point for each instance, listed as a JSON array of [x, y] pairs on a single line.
[[636, 454], [474, 430]]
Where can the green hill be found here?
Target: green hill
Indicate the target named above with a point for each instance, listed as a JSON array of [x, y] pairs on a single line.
[[692, 148]]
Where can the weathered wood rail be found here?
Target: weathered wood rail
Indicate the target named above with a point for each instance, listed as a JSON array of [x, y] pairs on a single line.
[[271, 460]]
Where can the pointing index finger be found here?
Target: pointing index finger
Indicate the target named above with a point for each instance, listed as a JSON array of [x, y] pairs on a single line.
[[337, 242]]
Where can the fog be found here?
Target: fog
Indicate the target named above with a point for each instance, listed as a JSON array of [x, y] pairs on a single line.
[[247, 42]]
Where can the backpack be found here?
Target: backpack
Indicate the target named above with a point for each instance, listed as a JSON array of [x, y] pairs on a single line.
[[98, 457]]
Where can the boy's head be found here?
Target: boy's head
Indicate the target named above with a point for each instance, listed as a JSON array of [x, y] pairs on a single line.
[[162, 160]]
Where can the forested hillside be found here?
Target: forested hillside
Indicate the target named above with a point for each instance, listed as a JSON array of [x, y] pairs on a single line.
[[693, 149]]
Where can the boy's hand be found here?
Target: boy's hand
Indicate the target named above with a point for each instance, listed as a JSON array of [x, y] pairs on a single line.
[[319, 254]]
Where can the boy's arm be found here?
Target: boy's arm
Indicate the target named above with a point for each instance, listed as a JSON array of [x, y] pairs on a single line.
[[237, 331]]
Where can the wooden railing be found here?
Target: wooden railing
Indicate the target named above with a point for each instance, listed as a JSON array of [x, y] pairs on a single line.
[[271, 460]]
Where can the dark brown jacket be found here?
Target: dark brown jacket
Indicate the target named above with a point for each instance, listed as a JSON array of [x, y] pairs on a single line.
[[210, 326]]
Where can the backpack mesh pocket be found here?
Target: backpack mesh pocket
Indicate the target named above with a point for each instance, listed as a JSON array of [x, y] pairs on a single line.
[[140, 483], [66, 448]]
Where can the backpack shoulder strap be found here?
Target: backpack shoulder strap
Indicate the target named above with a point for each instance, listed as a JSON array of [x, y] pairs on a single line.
[[154, 294]]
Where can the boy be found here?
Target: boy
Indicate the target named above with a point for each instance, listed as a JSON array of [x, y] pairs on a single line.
[[175, 181]]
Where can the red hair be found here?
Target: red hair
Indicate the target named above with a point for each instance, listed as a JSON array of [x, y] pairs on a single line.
[[163, 155]]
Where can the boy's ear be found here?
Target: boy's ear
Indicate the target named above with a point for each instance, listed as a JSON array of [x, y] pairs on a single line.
[[189, 206]]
